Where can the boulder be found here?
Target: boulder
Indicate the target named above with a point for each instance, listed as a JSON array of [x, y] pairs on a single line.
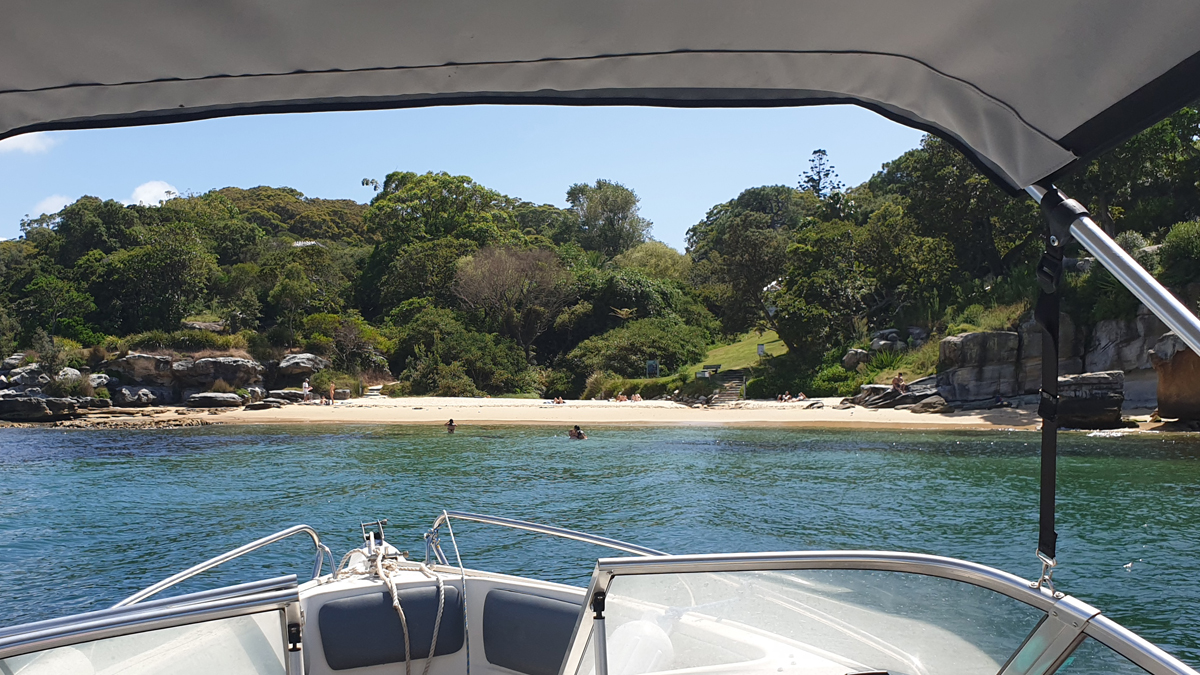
[[978, 366], [94, 403], [887, 334], [142, 369], [262, 405], [294, 365], [69, 374], [30, 409], [290, 395], [933, 404], [256, 393], [277, 401], [213, 399], [236, 372], [27, 376], [98, 380], [133, 396], [1178, 369], [882, 345], [3, 382], [869, 391], [13, 361], [341, 394], [1091, 400], [854, 357]]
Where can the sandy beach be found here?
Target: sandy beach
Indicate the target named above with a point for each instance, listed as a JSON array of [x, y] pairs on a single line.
[[467, 411]]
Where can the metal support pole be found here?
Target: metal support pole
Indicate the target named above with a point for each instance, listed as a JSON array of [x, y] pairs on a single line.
[[1153, 295], [599, 637]]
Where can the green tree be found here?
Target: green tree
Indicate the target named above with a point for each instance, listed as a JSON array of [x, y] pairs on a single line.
[[294, 295], [626, 349], [155, 285], [424, 269], [656, 259], [50, 299], [607, 217]]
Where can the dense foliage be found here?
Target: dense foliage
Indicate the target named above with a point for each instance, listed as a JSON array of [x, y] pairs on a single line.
[[450, 287]]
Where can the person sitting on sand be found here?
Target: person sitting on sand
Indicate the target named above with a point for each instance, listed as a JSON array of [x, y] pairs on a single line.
[[801, 397], [636, 398], [451, 426], [898, 383], [622, 398]]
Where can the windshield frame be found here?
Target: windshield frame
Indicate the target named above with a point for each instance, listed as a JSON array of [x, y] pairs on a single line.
[[1063, 630]]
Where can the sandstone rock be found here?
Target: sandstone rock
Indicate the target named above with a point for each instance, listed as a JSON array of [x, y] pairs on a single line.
[[854, 357], [1091, 400], [212, 399], [26, 376], [98, 380], [202, 373], [211, 326], [133, 396], [1121, 344], [290, 395], [882, 345], [13, 361], [96, 403], [978, 366], [142, 369], [869, 391], [1029, 377], [341, 394], [3, 382], [69, 374], [887, 334], [301, 364], [262, 405], [277, 401], [933, 404], [256, 393], [1178, 369], [30, 409]]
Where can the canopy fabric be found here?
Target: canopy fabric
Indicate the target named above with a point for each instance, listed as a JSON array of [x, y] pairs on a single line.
[[1025, 87]]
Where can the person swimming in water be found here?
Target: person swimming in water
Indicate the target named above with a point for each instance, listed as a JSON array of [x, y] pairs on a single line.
[[576, 434], [451, 426]]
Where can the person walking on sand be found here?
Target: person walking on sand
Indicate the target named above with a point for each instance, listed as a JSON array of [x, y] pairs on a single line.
[[307, 389], [451, 426]]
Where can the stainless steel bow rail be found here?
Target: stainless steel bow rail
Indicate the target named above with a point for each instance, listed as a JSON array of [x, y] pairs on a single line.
[[322, 551], [433, 548]]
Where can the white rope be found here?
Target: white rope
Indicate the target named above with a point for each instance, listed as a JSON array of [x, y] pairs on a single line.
[[385, 570]]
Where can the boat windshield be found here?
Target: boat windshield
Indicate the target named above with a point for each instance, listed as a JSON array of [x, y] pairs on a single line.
[[819, 621]]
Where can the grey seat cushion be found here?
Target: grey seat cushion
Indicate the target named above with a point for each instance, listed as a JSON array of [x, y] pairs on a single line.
[[364, 630], [527, 633]]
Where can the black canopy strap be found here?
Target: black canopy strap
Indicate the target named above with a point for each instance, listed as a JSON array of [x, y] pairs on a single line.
[[1060, 213]]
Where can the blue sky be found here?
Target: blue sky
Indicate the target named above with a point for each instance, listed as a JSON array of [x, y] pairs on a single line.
[[680, 162]]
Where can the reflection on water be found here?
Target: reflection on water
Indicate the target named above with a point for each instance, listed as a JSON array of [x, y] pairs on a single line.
[[88, 517]]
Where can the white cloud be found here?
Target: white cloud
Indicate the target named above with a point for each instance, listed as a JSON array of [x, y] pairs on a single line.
[[152, 193], [30, 144], [51, 204]]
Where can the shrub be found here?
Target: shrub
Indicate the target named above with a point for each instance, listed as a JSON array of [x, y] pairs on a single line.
[[397, 389], [183, 340], [244, 393], [70, 386], [102, 392], [319, 344], [322, 379], [597, 384], [1180, 254], [625, 350], [834, 381], [221, 387]]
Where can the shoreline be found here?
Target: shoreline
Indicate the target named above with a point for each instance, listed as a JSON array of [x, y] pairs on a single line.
[[435, 411]]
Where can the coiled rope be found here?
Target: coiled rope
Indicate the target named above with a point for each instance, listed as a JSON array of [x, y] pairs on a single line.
[[386, 570]]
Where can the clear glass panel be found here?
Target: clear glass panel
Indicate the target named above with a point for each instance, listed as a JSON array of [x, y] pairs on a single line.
[[1094, 658], [241, 645], [819, 622]]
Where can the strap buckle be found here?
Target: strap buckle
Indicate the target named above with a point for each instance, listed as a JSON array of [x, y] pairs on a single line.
[[1046, 577], [1048, 406]]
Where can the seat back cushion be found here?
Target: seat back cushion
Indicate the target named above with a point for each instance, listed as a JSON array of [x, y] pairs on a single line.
[[527, 633], [364, 630]]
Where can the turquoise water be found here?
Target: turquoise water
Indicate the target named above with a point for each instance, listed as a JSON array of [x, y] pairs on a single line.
[[88, 517]]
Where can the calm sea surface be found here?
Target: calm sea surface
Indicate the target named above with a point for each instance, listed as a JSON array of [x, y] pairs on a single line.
[[88, 517]]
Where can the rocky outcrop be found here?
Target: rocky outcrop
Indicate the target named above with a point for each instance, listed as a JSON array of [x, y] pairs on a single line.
[[294, 365], [341, 394], [211, 326], [212, 399], [13, 361], [1121, 344], [147, 369], [28, 376], [1091, 400], [98, 380], [289, 395], [134, 396], [884, 396], [1178, 369], [277, 402], [263, 405], [32, 409], [980, 366], [1070, 360], [933, 404], [238, 373]]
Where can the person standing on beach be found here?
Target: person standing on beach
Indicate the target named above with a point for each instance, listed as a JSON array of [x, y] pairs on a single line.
[[331, 392], [307, 389], [451, 426]]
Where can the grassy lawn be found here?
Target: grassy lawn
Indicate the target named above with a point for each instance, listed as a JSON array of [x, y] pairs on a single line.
[[743, 353]]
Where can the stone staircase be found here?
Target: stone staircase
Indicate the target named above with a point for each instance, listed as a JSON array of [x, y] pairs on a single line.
[[730, 383]]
